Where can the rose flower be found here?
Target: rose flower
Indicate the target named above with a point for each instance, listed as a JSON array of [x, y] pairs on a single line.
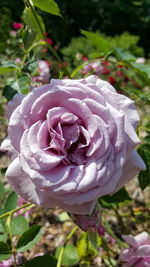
[[138, 254], [71, 141]]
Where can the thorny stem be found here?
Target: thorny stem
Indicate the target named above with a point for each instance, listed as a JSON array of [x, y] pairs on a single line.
[[11, 238], [27, 2], [63, 248], [60, 257], [11, 212]]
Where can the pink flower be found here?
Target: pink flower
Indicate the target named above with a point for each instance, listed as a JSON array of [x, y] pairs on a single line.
[[44, 71], [71, 141], [138, 254], [13, 33], [22, 201], [95, 67], [7, 263], [18, 61], [140, 60], [17, 25]]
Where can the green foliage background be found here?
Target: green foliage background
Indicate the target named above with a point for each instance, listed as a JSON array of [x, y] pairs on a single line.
[[109, 17]]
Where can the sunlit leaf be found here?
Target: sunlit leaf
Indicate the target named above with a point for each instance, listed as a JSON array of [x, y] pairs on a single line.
[[33, 21], [70, 255], [49, 6], [19, 225], [29, 37], [7, 67], [124, 55], [98, 40], [141, 68], [111, 201]]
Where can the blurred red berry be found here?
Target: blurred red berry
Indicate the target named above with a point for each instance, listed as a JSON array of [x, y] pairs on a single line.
[[105, 71], [106, 63], [65, 63], [120, 66], [84, 58], [119, 73], [50, 41], [112, 80], [17, 25]]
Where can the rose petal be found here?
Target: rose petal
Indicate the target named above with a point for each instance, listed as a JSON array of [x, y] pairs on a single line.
[[138, 240], [21, 182], [13, 104]]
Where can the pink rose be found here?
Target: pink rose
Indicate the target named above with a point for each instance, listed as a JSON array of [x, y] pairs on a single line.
[[44, 72], [95, 67], [21, 201], [7, 263], [138, 254], [72, 141]]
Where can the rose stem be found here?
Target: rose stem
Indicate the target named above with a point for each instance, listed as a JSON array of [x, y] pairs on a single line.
[[27, 3], [63, 248]]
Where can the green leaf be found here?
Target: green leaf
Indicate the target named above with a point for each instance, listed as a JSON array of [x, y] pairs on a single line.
[[11, 202], [144, 176], [93, 239], [141, 69], [7, 67], [124, 55], [3, 237], [94, 55], [9, 92], [19, 225], [31, 66], [32, 22], [4, 248], [2, 191], [42, 261], [98, 40], [63, 217], [4, 251], [49, 6], [24, 84], [120, 197], [82, 245], [85, 246], [70, 255], [3, 234], [2, 230], [29, 37], [29, 238]]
